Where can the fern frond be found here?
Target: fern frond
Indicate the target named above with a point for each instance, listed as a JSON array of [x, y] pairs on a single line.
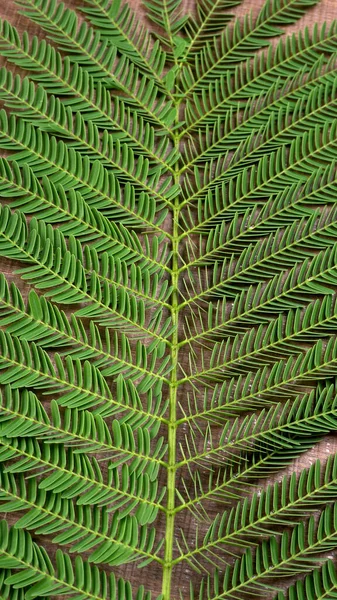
[[281, 426], [72, 475], [153, 288], [83, 389], [274, 254], [281, 381], [217, 207], [286, 556], [169, 199], [293, 202], [51, 204], [320, 584], [22, 415], [110, 271], [210, 19], [235, 478], [282, 125], [297, 57], [280, 504], [67, 280], [49, 113], [80, 386], [283, 292], [276, 337], [169, 16], [282, 337], [36, 568], [43, 323], [272, 172], [313, 231], [85, 47], [121, 27], [68, 168], [48, 68], [238, 42], [111, 541], [279, 93], [7, 592]]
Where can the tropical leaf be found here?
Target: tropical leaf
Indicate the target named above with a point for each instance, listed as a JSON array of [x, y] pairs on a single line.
[[169, 16], [293, 62], [281, 504], [275, 556], [239, 41], [120, 26], [319, 584], [85, 47], [210, 19], [47, 579], [168, 307]]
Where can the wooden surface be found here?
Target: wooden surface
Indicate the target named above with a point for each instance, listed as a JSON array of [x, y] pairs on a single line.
[[325, 11]]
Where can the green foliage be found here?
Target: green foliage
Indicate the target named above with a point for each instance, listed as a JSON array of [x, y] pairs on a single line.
[[168, 351]]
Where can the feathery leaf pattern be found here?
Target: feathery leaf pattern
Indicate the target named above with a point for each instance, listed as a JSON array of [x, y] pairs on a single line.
[[168, 348]]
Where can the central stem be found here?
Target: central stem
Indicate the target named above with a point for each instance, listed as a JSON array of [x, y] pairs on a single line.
[[172, 421]]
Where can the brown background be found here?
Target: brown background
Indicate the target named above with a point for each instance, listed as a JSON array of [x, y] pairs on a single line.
[[325, 11]]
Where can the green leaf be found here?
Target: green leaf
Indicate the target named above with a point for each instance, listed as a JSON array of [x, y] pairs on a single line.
[[282, 426], [168, 348], [320, 584], [281, 504], [85, 47], [63, 578], [80, 527], [210, 19], [117, 23], [290, 555], [71, 474], [169, 16], [285, 68], [240, 41]]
